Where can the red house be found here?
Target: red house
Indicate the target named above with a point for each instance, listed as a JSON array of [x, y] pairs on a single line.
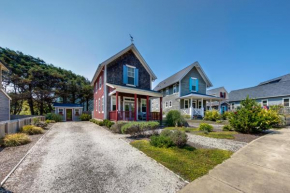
[[123, 88]]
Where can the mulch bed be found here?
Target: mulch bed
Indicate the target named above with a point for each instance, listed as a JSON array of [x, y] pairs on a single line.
[[10, 156], [247, 137]]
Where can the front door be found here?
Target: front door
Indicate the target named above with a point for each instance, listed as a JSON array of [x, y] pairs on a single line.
[[68, 114], [129, 110]]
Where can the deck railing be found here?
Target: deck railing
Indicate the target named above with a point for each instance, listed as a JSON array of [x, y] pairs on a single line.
[[130, 116]]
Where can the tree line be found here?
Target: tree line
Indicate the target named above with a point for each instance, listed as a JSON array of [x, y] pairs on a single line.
[[31, 80]]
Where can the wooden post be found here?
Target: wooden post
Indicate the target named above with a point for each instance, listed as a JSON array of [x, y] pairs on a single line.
[[117, 104], [160, 110], [147, 108], [135, 107]]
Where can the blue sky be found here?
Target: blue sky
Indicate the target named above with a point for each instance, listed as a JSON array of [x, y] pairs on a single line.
[[239, 43]]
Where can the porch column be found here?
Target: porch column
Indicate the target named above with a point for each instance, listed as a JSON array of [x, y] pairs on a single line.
[[219, 107], [147, 108], [210, 104], [117, 104], [135, 107], [190, 109], [202, 110], [160, 109]]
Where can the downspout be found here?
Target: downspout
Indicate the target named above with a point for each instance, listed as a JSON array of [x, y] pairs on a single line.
[[105, 93]]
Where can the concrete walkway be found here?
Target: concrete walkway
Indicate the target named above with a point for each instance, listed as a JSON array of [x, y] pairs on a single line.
[[263, 166]]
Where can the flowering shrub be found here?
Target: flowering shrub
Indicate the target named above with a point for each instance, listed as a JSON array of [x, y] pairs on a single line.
[[212, 115], [251, 118], [205, 127]]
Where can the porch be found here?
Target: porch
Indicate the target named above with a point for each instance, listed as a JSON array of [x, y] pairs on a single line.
[[195, 104], [132, 104]]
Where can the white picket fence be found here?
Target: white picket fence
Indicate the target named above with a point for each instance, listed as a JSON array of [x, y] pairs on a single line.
[[14, 126]]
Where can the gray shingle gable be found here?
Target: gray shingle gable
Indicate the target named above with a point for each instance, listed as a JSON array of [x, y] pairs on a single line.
[[281, 88]]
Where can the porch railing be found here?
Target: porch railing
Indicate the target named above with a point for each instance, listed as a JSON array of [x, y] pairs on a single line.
[[130, 116]]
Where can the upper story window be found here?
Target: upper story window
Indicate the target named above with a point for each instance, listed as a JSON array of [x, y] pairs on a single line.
[[96, 89], [264, 103], [286, 102], [193, 84], [130, 75], [167, 91], [222, 94], [174, 89], [100, 82], [166, 104]]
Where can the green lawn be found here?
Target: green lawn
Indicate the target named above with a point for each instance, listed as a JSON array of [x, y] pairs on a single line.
[[185, 129], [188, 162], [219, 134], [223, 122]]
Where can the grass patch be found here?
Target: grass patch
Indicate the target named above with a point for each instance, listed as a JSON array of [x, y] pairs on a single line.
[[16, 139], [185, 129], [219, 134], [223, 122], [188, 162]]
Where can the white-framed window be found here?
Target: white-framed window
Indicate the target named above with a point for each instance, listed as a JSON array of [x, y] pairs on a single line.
[[100, 82], [264, 103], [77, 112], [193, 84], [170, 103], [233, 106], [102, 103], [113, 103], [174, 89], [286, 102], [131, 75], [96, 89], [60, 111], [99, 105], [186, 103], [199, 104], [167, 91], [166, 104], [143, 105]]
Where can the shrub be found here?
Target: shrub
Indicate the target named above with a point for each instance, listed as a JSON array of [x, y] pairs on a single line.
[[226, 115], [41, 124], [205, 127], [16, 139], [85, 117], [116, 128], [53, 116], [251, 118], [138, 128], [219, 121], [227, 128], [161, 141], [50, 121], [108, 123], [179, 138], [35, 120], [186, 116], [174, 118], [212, 115], [166, 133], [31, 130]]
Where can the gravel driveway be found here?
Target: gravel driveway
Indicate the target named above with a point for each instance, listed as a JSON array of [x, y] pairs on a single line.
[[83, 157]]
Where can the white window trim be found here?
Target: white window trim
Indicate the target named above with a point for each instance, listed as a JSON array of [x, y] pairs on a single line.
[[61, 109], [187, 103], [166, 104], [99, 105], [130, 85], [113, 97], [264, 100], [174, 87], [96, 87], [130, 66], [100, 83], [170, 103], [283, 101], [103, 105], [233, 106], [191, 85]]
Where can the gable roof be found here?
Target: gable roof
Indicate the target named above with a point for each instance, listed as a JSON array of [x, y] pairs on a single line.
[[180, 74], [215, 90], [1, 90], [274, 80], [3, 65], [269, 90], [133, 48]]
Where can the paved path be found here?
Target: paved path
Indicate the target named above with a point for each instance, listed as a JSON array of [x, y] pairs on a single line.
[[83, 157], [263, 166]]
